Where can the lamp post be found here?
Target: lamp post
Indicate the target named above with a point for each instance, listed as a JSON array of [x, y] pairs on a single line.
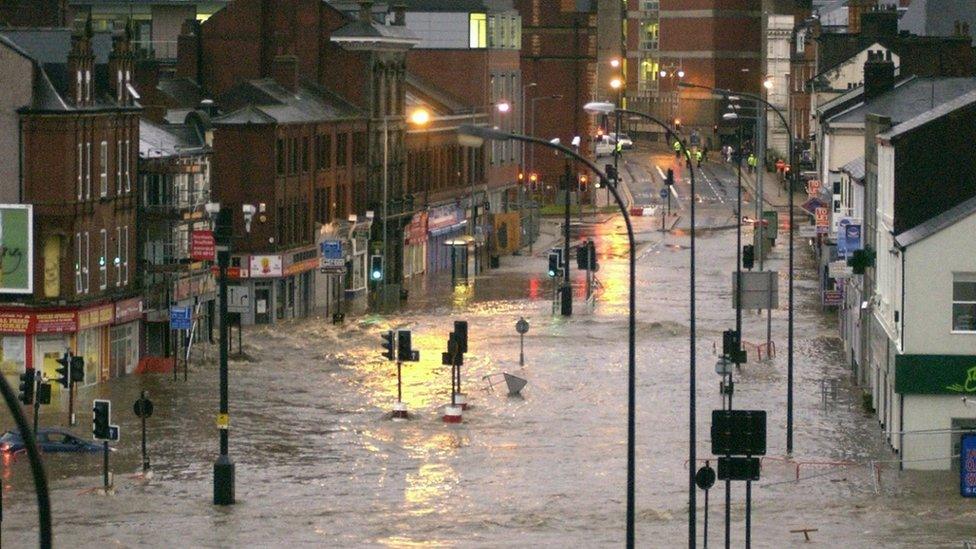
[[607, 108], [474, 136], [791, 182]]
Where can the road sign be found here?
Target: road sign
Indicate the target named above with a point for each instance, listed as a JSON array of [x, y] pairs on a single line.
[[202, 246], [664, 193], [760, 289], [705, 477], [739, 432], [180, 318], [238, 299], [723, 366], [738, 468], [522, 326], [143, 407], [967, 466], [332, 256]]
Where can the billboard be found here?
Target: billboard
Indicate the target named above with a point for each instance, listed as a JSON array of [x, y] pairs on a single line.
[[16, 248]]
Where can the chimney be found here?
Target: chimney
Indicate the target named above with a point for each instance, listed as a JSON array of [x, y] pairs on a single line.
[[880, 22], [120, 64], [188, 51], [879, 74], [81, 64], [366, 11], [284, 71], [399, 14]]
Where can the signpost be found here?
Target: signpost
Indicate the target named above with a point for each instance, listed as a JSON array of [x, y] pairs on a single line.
[[143, 408], [180, 318], [522, 327]]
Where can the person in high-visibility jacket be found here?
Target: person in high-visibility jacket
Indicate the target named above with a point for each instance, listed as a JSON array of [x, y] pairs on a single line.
[[619, 148], [698, 157], [751, 162], [677, 148]]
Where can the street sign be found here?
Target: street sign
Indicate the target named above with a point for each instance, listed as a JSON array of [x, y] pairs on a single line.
[[808, 231], [143, 407], [967, 466], [738, 468], [705, 477], [723, 366], [739, 432], [663, 193], [760, 289], [238, 299], [332, 256], [202, 247], [180, 318]]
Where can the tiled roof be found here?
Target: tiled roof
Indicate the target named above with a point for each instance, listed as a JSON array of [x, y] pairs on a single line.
[[265, 102], [930, 115], [906, 101], [156, 141], [855, 168], [936, 224]]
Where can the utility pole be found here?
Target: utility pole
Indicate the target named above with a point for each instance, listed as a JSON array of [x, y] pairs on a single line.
[[224, 471], [567, 290]]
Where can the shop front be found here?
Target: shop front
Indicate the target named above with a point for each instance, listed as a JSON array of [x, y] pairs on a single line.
[[444, 224], [415, 246], [282, 286], [124, 346]]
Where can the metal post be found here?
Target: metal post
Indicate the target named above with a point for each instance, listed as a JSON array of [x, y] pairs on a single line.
[[748, 514], [145, 454], [386, 202], [705, 532], [105, 465], [224, 467], [71, 398], [176, 355], [789, 337], [759, 185], [37, 400], [521, 349], [566, 294], [399, 383]]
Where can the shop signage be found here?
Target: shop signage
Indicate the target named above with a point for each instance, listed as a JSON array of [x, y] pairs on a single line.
[[55, 322], [16, 249], [202, 246], [265, 266], [301, 266], [128, 310], [848, 236], [96, 316], [823, 220], [15, 323], [416, 232], [810, 206], [180, 318], [967, 466], [839, 269], [813, 187], [444, 218], [833, 298], [935, 374]]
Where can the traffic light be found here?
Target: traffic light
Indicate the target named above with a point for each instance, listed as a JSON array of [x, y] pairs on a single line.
[[376, 268], [677, 124], [534, 181], [388, 337], [669, 179], [582, 183], [461, 334], [64, 372], [748, 256], [77, 369], [583, 257], [27, 387], [405, 348], [454, 355], [101, 410], [553, 265], [612, 174]]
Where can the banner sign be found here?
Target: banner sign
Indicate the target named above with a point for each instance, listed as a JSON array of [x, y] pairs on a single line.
[[935, 374], [16, 249], [202, 246], [967, 466], [265, 266]]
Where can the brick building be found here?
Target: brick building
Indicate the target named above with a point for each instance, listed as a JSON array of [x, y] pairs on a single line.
[[34, 13], [72, 110]]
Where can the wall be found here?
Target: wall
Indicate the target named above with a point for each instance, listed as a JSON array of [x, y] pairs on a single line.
[[930, 412], [439, 29], [16, 72]]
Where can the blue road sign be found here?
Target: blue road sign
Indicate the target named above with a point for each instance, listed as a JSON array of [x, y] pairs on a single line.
[[664, 193], [180, 318], [967, 466], [332, 249]]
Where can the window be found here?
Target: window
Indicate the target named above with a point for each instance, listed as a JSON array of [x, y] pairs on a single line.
[[122, 257], [280, 156], [88, 85], [79, 87], [128, 166], [478, 30], [81, 171], [118, 167], [342, 153], [964, 302], [359, 148], [325, 152], [293, 164], [79, 281], [103, 170], [305, 154], [103, 262], [88, 169], [118, 256], [87, 263]]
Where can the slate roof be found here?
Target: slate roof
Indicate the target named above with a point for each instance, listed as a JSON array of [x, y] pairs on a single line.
[[930, 115], [355, 30], [157, 141], [445, 5], [855, 168], [936, 224], [52, 45], [906, 101], [183, 91], [264, 101]]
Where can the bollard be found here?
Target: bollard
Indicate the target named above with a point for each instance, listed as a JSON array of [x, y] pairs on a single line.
[[399, 411], [452, 414]]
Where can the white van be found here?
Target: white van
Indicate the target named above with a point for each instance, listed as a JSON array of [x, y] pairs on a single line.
[[603, 146]]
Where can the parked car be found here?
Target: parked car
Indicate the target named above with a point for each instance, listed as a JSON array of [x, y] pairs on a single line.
[[50, 439], [625, 142], [603, 146]]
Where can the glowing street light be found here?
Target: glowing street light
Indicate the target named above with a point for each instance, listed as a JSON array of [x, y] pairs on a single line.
[[420, 117]]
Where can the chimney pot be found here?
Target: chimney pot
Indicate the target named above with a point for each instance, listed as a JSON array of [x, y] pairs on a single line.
[[399, 14], [284, 71], [366, 11]]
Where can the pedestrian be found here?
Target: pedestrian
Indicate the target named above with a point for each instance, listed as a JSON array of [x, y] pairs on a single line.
[[677, 148], [705, 154], [698, 157], [751, 161]]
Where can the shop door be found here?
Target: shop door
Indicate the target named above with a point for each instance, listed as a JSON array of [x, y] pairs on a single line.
[[49, 353], [262, 308]]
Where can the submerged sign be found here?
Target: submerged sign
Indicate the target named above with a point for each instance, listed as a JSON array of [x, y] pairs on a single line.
[[16, 249]]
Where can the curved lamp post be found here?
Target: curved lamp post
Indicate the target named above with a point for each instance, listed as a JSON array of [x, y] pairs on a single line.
[[600, 107], [792, 184], [474, 136]]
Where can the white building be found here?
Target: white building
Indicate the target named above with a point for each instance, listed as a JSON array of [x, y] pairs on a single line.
[[778, 30]]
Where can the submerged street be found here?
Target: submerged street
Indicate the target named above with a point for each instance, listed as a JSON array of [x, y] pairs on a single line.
[[319, 462]]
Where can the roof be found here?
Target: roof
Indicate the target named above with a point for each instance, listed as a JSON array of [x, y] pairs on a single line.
[[183, 91], [466, 6], [907, 100], [157, 141], [419, 91], [854, 168], [52, 45], [943, 220], [930, 115], [264, 101], [359, 31]]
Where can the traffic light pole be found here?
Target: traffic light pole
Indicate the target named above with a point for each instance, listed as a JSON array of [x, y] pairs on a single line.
[[223, 489], [566, 293], [37, 397]]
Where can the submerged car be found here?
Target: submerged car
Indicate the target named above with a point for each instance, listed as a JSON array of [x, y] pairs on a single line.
[[626, 142], [50, 439]]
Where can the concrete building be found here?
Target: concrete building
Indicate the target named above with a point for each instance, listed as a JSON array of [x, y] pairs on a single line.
[[70, 115], [940, 18], [777, 32]]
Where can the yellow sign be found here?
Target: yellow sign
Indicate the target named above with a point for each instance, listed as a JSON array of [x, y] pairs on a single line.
[[223, 421]]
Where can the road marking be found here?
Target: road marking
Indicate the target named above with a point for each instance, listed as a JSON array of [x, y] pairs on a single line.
[[674, 190], [714, 191]]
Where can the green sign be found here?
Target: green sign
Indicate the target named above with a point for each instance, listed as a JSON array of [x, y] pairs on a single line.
[[935, 374], [16, 249]]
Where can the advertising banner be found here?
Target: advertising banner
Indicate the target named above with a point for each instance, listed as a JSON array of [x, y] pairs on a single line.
[[16, 249], [265, 266]]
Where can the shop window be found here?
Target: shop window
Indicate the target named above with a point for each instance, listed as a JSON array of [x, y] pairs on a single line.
[[964, 302], [89, 347]]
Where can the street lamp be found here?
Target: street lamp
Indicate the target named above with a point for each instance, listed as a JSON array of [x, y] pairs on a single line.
[[420, 118], [791, 182], [474, 136], [606, 108]]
